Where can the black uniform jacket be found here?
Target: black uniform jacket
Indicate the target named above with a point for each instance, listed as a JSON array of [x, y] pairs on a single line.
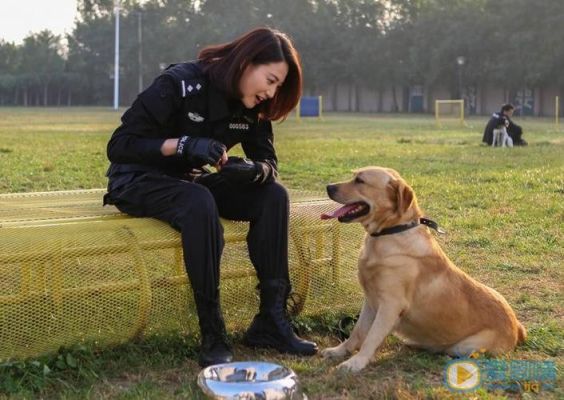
[[182, 101], [496, 121]]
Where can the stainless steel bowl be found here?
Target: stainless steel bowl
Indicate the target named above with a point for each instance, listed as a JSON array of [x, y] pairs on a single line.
[[250, 380]]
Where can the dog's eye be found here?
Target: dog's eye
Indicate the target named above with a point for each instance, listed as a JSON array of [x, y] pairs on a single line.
[[358, 180]]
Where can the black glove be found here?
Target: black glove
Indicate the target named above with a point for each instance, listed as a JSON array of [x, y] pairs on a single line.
[[243, 171], [198, 151]]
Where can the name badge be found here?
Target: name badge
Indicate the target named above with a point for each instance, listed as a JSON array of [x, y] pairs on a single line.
[[239, 126], [195, 117]]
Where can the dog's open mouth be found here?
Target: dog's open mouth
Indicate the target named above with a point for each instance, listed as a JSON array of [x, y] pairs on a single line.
[[348, 212]]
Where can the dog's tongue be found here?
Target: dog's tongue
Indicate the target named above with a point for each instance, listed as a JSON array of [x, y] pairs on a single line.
[[338, 212]]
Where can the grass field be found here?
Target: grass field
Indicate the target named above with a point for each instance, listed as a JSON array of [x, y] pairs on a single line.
[[503, 210]]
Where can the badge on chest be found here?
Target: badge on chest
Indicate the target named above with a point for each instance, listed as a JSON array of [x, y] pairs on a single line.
[[194, 116], [239, 126]]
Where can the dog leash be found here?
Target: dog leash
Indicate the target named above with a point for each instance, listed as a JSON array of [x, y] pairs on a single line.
[[400, 228]]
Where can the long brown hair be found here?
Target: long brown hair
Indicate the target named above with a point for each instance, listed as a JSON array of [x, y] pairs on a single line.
[[225, 64]]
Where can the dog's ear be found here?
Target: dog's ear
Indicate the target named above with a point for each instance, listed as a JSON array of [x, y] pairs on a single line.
[[401, 194]]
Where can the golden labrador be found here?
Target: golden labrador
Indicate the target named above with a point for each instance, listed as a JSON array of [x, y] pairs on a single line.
[[411, 288]]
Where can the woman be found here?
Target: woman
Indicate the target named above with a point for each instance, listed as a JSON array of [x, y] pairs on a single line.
[[190, 117]]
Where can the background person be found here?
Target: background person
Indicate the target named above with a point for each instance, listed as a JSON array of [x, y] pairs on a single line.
[[190, 116], [500, 119]]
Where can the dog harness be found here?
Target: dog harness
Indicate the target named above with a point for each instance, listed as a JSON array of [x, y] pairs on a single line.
[[405, 227]]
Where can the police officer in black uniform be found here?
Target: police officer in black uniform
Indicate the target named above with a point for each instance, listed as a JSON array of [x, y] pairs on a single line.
[[501, 119], [190, 117]]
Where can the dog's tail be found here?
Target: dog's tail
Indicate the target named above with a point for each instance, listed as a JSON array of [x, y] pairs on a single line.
[[521, 333]]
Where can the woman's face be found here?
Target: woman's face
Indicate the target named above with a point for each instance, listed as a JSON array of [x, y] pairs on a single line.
[[260, 82]]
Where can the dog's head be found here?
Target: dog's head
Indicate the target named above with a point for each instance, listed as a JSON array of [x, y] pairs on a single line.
[[376, 197]]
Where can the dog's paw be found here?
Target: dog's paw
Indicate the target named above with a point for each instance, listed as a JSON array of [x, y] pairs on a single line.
[[353, 364], [334, 352]]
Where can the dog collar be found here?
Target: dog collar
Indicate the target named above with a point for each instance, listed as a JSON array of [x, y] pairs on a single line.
[[400, 228]]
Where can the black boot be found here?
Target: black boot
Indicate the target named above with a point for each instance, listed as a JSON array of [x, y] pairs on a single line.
[[214, 348], [270, 327]]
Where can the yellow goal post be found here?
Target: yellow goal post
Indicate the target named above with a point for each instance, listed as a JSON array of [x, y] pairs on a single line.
[[451, 109]]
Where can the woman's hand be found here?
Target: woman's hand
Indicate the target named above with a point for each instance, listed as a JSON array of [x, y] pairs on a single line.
[[222, 161], [197, 151], [243, 171], [168, 147]]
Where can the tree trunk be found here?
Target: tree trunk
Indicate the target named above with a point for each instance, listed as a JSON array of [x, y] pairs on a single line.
[[335, 97], [25, 97], [350, 97], [482, 91], [380, 107], [16, 92], [358, 98], [45, 94], [540, 106], [428, 105], [69, 98], [405, 99], [395, 107]]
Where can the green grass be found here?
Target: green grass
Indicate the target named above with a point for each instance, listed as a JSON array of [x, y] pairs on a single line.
[[502, 208]]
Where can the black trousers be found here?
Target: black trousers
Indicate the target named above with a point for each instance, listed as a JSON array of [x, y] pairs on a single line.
[[194, 210], [515, 132]]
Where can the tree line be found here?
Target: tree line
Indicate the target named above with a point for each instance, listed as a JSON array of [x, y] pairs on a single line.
[[375, 44]]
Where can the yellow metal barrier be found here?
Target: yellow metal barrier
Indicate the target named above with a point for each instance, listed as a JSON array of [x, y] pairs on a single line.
[[73, 271]]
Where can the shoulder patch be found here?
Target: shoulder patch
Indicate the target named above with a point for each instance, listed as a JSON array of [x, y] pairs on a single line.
[[191, 87]]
